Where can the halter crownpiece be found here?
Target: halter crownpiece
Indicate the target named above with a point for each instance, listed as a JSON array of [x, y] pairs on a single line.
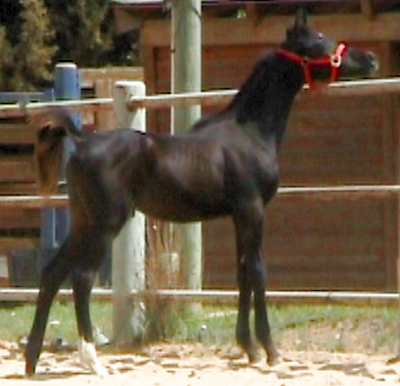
[[334, 62]]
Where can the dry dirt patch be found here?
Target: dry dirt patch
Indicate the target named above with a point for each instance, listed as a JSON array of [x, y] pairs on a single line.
[[198, 365]]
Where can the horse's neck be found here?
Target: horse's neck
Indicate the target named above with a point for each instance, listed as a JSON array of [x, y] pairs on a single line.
[[265, 99]]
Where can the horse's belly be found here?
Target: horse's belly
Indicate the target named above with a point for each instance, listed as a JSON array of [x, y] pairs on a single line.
[[177, 206]]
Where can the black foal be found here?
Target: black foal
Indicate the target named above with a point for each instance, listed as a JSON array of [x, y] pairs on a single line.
[[225, 165]]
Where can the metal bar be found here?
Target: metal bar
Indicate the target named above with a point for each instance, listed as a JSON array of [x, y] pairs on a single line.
[[217, 297], [349, 88], [328, 193], [93, 104], [61, 200], [339, 189], [362, 87], [205, 98]]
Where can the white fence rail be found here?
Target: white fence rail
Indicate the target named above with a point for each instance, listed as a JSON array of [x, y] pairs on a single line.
[[350, 88], [224, 297], [314, 193]]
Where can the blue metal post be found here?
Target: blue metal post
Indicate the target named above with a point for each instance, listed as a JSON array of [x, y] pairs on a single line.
[[55, 222]]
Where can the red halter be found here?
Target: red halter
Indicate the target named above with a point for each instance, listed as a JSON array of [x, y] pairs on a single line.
[[334, 62]]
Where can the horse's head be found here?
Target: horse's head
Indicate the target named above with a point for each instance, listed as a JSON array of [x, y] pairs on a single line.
[[322, 58]]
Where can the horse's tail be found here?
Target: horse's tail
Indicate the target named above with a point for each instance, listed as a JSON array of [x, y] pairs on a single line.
[[52, 126]]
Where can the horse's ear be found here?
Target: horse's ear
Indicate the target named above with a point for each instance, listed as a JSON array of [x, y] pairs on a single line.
[[301, 18]]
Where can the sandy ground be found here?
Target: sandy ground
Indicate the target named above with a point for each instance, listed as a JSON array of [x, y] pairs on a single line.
[[195, 365]]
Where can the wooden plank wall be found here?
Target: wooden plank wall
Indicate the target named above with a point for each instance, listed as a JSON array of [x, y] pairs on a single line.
[[308, 245], [20, 228]]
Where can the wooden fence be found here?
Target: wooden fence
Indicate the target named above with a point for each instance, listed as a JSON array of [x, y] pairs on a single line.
[[368, 87], [21, 220]]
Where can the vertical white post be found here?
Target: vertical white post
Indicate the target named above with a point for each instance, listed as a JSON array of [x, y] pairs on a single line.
[[187, 77], [128, 254]]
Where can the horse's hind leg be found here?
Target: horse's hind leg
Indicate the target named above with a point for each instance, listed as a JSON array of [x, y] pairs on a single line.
[[52, 277], [82, 282], [93, 249]]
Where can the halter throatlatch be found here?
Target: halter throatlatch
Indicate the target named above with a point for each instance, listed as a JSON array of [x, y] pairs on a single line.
[[334, 62]]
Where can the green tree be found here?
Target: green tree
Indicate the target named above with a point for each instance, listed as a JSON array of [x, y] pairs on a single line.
[[34, 51], [25, 63], [83, 31], [6, 60], [36, 34]]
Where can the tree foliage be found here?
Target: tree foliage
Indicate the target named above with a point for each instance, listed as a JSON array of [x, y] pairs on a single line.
[[6, 59], [36, 34], [26, 64], [35, 49], [83, 31]]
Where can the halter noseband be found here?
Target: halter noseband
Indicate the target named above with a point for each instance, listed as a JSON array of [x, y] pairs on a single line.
[[334, 62]]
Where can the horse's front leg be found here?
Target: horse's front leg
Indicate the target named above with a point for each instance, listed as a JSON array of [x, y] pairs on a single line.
[[263, 331], [243, 335], [245, 226], [251, 278], [51, 279]]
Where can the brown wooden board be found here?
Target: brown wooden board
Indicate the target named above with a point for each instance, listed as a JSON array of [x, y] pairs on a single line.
[[312, 245], [17, 168], [16, 134], [16, 218], [8, 243], [338, 141]]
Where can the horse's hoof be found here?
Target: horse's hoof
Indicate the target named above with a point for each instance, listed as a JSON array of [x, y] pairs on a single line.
[[253, 357], [88, 356], [29, 370], [31, 376], [273, 359], [100, 370]]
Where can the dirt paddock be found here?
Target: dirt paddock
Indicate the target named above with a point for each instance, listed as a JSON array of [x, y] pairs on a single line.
[[197, 365]]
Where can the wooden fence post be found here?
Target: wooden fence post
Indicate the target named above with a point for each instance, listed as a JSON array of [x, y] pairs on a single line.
[[128, 262], [187, 78]]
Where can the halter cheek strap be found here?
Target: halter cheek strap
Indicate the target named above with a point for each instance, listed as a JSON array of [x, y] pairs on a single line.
[[334, 62]]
